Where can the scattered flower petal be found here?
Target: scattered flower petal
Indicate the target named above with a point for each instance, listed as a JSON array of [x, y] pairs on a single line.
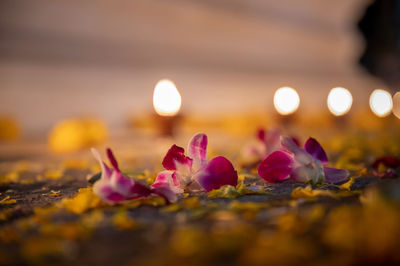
[[387, 161], [193, 172], [302, 165], [348, 184], [218, 172], [335, 175], [276, 167], [315, 149], [307, 191], [175, 159], [114, 187], [197, 150], [7, 200], [265, 143]]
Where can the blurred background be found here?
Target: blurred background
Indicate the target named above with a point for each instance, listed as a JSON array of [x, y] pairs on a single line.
[[61, 59]]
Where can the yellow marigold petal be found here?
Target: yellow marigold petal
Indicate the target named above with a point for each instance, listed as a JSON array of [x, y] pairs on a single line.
[[122, 221], [348, 184], [83, 201], [7, 201]]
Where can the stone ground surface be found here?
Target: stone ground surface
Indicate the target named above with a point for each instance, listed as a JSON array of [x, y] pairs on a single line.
[[45, 219]]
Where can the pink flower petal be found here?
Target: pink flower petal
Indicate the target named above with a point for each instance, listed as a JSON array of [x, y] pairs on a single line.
[[313, 147], [291, 146], [176, 160], [296, 141], [261, 134], [276, 167], [104, 190], [272, 141], [218, 172], [105, 171], [254, 151], [139, 190], [334, 175], [197, 150], [120, 183], [309, 172], [112, 159], [165, 192], [387, 161], [115, 197], [168, 178]]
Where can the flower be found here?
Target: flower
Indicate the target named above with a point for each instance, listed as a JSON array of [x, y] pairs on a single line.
[[194, 172], [266, 142], [385, 166], [302, 165], [114, 187]]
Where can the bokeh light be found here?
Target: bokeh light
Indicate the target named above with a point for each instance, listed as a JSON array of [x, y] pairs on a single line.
[[381, 103], [396, 104], [286, 100], [167, 100], [339, 101]]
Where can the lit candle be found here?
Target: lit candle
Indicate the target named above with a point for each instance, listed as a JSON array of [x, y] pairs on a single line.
[[381, 103], [167, 102], [286, 102]]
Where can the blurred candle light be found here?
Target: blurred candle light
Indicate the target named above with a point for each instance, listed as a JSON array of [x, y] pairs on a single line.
[[381, 103], [286, 100], [396, 104], [339, 101], [167, 100]]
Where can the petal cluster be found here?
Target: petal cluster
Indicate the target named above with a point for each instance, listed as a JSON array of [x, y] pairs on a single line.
[[114, 187], [300, 164], [193, 171], [265, 143]]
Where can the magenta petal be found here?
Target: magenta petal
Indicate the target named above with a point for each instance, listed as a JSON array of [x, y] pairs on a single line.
[[197, 149], [315, 149], [105, 170], [296, 141], [115, 197], [112, 159], [162, 178], [272, 141], [335, 175], [176, 155], [387, 161], [218, 172], [120, 183], [290, 145], [106, 192], [276, 167], [261, 134], [166, 177], [165, 192], [139, 190]]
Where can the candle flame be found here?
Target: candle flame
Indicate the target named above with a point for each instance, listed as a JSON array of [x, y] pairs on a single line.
[[381, 103], [167, 100], [339, 101], [286, 100]]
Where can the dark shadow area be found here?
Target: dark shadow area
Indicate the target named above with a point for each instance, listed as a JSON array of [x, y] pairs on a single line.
[[381, 29]]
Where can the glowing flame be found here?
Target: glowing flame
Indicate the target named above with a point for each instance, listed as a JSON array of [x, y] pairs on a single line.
[[286, 100], [381, 103], [396, 104], [166, 98], [339, 101]]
